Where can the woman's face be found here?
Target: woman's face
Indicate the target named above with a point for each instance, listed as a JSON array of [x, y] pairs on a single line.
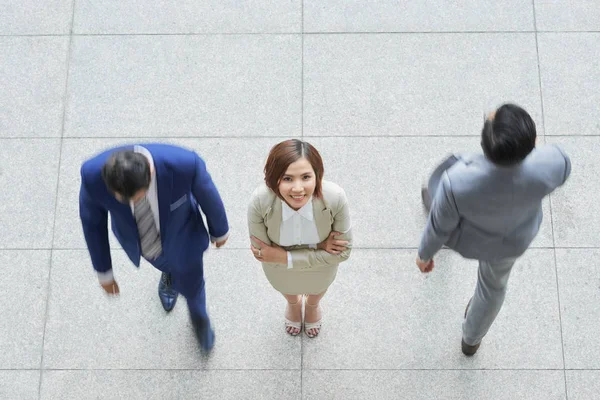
[[298, 183]]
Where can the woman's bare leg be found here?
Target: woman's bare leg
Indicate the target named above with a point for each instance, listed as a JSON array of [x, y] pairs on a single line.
[[293, 311]]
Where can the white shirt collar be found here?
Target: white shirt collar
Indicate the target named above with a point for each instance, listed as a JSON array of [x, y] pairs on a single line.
[[152, 190], [306, 211], [148, 155]]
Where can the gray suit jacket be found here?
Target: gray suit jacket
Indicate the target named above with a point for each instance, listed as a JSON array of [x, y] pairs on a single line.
[[487, 212]]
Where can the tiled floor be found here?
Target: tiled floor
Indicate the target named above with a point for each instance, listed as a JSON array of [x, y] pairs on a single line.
[[384, 89]]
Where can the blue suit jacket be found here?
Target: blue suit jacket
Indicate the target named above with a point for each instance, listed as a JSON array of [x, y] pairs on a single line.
[[183, 184]]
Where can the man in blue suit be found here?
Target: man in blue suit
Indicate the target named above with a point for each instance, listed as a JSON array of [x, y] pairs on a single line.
[[153, 193]]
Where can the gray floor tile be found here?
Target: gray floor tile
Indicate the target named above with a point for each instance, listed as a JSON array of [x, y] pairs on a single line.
[[446, 385], [436, 15], [164, 86], [236, 166], [565, 15], [28, 173], [382, 313], [570, 75], [33, 72], [583, 385], [188, 16], [230, 81], [134, 332], [147, 385], [22, 385], [574, 206], [382, 178], [415, 84], [579, 286], [32, 17], [25, 285]]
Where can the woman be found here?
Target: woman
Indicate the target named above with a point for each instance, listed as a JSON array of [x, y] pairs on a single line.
[[300, 230]]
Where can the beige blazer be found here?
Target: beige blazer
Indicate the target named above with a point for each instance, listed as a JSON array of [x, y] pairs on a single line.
[[331, 213]]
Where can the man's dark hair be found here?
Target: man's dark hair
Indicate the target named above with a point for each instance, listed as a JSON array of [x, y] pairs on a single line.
[[509, 137], [126, 173]]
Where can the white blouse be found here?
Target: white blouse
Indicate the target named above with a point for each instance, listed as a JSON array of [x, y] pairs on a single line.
[[298, 227]]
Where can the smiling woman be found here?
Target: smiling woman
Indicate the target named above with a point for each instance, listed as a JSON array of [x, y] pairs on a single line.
[[300, 230]]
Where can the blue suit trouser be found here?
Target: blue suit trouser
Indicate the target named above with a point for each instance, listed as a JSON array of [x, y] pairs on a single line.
[[194, 294]]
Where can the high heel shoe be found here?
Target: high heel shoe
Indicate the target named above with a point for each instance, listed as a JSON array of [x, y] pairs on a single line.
[[297, 326], [308, 326]]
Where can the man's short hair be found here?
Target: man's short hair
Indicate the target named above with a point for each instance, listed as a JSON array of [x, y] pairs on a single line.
[[126, 173], [509, 137]]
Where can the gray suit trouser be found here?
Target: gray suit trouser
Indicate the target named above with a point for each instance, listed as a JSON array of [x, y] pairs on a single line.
[[492, 279]]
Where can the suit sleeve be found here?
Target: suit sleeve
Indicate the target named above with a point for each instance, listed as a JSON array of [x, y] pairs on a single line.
[[567, 168], [207, 196], [308, 258], [256, 222], [94, 220], [443, 220]]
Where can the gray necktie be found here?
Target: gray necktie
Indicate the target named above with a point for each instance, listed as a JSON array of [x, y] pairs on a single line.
[[149, 235]]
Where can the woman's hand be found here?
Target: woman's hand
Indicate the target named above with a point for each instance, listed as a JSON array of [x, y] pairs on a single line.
[[268, 254], [333, 245]]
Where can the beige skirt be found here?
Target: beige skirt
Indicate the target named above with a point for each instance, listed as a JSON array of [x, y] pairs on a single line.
[[315, 280]]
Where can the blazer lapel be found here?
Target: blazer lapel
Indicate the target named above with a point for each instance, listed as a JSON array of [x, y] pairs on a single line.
[[323, 218], [322, 215], [123, 212], [164, 182], [273, 220]]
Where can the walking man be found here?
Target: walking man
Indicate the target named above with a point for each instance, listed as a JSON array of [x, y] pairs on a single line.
[[153, 193], [488, 207]]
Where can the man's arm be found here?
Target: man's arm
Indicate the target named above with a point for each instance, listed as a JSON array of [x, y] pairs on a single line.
[[443, 220], [567, 168], [94, 220], [207, 196]]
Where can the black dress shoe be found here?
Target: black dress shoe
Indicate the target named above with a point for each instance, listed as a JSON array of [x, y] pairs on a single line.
[[204, 334], [426, 198], [467, 349], [166, 293]]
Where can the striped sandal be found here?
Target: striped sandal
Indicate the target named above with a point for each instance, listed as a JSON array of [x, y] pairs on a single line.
[[296, 326], [312, 329]]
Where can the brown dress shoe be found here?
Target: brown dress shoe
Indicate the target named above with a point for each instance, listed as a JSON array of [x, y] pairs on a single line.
[[426, 198], [467, 349]]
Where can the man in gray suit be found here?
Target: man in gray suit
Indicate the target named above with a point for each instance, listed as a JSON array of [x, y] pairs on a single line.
[[488, 207]]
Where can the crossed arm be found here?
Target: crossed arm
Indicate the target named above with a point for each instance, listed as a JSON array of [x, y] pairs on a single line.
[[332, 251]]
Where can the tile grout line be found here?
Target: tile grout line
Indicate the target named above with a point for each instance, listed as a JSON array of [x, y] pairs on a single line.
[[290, 370], [302, 75], [48, 286], [293, 33], [562, 341], [244, 248], [234, 137], [537, 52], [302, 136]]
